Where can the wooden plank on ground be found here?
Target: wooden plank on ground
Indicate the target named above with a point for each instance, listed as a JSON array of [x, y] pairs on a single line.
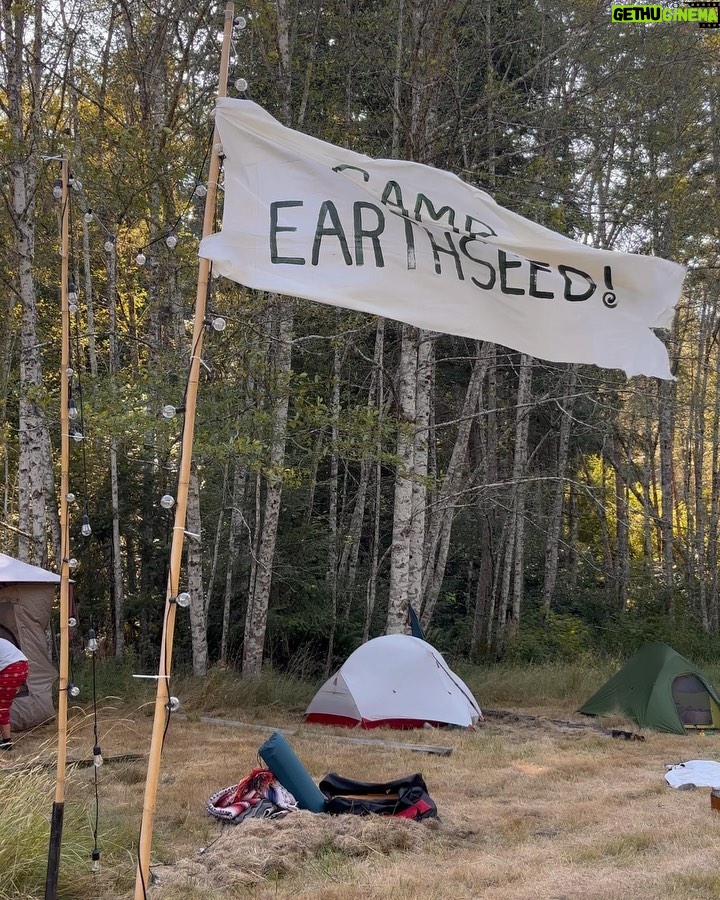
[[313, 735]]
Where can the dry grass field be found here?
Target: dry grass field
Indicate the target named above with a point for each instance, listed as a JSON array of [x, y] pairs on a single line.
[[529, 808]]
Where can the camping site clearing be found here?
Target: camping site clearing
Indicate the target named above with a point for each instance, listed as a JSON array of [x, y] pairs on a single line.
[[530, 806]]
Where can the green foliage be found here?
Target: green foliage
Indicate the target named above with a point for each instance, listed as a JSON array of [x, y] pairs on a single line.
[[26, 798]]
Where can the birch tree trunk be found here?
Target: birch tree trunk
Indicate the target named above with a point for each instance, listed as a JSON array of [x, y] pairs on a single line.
[[198, 621], [402, 509], [233, 552], [23, 113], [552, 545], [513, 572], [258, 602]]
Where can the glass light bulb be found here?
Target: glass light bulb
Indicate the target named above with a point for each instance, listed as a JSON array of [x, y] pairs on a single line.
[[73, 690], [85, 528], [169, 411], [72, 563], [77, 436], [77, 184], [173, 704], [240, 22], [97, 756], [92, 643], [72, 622], [219, 324], [183, 599], [70, 498], [141, 259], [200, 190], [72, 293], [69, 372], [167, 501], [72, 307], [109, 246], [72, 409], [95, 867], [57, 189], [241, 84], [171, 240], [88, 217]]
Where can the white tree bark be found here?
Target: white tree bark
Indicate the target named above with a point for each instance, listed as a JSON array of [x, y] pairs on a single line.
[[258, 602], [402, 510], [198, 621]]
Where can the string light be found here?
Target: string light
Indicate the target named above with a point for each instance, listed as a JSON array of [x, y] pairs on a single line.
[[76, 184], [95, 867], [141, 259], [241, 85], [183, 600], [72, 622], [200, 190], [169, 411], [167, 501], [69, 372], [77, 435], [70, 497], [73, 690], [57, 188], [173, 705], [92, 644], [88, 217], [97, 756], [109, 246], [171, 240], [240, 23], [85, 527], [72, 563], [72, 409], [218, 323]]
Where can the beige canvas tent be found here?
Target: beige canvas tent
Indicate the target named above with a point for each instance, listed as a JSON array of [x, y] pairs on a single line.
[[27, 594]]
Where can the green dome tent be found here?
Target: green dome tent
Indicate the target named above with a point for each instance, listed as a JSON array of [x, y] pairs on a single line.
[[659, 689]]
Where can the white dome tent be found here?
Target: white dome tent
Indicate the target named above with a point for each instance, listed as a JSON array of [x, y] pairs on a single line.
[[27, 595], [394, 681]]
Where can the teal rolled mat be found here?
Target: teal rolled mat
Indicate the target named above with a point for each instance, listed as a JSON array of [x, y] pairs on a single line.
[[280, 758]]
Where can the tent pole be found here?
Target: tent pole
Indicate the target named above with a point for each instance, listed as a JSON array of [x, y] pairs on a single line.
[[58, 809], [162, 698]]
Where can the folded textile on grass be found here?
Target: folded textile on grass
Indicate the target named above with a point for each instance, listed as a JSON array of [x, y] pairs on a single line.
[[258, 795]]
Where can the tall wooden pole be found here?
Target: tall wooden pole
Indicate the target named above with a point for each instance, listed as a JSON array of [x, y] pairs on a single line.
[[162, 698], [58, 809]]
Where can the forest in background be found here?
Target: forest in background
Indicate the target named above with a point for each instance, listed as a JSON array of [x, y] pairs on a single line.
[[346, 466]]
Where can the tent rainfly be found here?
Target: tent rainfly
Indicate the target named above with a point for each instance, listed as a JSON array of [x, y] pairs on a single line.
[[27, 594], [659, 689], [394, 681]]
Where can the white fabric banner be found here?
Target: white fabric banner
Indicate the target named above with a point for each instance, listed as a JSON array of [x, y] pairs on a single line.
[[402, 240]]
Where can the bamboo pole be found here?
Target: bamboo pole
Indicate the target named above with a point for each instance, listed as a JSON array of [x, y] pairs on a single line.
[[162, 698], [58, 809]]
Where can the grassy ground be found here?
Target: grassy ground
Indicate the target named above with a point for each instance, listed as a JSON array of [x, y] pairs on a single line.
[[529, 808]]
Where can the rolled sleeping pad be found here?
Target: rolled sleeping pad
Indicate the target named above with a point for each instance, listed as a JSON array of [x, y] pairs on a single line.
[[280, 758]]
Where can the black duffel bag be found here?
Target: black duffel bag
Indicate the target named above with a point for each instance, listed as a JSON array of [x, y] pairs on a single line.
[[406, 798]]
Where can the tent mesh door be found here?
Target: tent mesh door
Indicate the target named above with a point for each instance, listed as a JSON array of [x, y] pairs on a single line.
[[692, 701]]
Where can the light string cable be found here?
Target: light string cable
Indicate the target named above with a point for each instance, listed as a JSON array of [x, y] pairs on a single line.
[[173, 703], [80, 436]]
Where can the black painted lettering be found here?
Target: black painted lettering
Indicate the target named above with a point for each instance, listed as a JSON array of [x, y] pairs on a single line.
[[451, 249], [372, 233], [568, 294], [471, 222], [486, 286], [365, 175], [328, 210], [503, 265], [536, 267], [435, 215], [275, 228], [392, 190]]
